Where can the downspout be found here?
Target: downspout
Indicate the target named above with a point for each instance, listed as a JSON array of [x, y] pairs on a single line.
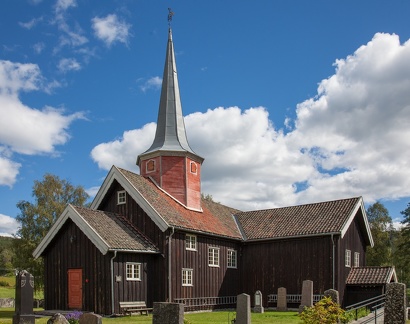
[[333, 261], [112, 281], [169, 266]]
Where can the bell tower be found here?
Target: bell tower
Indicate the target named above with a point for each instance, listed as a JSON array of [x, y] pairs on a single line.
[[170, 161]]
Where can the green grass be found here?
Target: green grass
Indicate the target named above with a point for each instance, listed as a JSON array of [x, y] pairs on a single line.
[[10, 290], [6, 315]]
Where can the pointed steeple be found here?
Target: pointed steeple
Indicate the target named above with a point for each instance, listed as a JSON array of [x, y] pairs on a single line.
[[170, 161]]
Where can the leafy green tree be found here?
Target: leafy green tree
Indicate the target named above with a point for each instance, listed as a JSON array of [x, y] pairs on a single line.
[[401, 255], [381, 226], [51, 196]]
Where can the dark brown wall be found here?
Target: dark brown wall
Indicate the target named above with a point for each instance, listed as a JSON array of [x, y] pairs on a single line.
[[270, 265], [207, 281], [62, 255]]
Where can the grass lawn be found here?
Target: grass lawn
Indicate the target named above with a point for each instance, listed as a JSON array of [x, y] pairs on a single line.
[[6, 315]]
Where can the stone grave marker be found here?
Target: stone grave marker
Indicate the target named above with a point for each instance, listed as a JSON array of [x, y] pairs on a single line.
[[168, 313], [258, 302], [307, 295], [24, 299], [282, 305], [243, 309]]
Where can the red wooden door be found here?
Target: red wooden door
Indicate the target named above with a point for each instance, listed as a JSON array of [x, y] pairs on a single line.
[[75, 289]]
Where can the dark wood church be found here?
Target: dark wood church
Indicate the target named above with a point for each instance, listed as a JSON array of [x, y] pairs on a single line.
[[151, 237]]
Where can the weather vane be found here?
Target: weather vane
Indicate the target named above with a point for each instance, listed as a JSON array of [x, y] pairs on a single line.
[[170, 14]]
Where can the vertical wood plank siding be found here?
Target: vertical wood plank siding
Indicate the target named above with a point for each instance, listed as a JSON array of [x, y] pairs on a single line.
[[207, 281], [270, 265]]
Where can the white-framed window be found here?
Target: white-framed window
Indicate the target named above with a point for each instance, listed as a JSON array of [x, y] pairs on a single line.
[[213, 257], [348, 258], [194, 168], [121, 197], [187, 275], [133, 270], [150, 166], [232, 255], [356, 259], [190, 242]]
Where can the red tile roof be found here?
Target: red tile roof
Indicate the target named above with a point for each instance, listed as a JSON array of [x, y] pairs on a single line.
[[310, 219], [371, 276], [215, 218]]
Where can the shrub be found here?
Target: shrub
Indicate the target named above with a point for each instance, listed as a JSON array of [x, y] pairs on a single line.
[[74, 317], [324, 311], [4, 283]]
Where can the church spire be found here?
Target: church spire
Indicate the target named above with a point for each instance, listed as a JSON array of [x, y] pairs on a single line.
[[170, 161]]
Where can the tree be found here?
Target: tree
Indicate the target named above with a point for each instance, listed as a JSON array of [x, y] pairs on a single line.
[[381, 226], [51, 197], [401, 255]]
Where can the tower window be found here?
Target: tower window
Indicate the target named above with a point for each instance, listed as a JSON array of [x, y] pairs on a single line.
[[121, 197], [150, 167], [194, 168]]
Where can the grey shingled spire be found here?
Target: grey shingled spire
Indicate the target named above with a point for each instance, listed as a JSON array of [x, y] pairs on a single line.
[[170, 135]]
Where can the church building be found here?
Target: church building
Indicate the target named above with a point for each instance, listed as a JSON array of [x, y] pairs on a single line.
[[152, 237]]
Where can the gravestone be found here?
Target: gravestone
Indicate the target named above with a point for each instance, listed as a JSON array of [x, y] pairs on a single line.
[[395, 305], [57, 319], [333, 294], [90, 318], [282, 305], [307, 295], [243, 309], [258, 302], [168, 313], [24, 299]]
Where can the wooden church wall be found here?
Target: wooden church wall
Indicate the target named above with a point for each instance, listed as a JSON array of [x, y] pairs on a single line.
[[207, 281], [71, 249], [286, 263]]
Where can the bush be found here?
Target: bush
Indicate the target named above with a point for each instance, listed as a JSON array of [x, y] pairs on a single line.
[[4, 283], [324, 311]]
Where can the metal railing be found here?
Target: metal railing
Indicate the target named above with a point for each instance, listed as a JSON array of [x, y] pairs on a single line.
[[292, 298], [206, 302], [375, 305]]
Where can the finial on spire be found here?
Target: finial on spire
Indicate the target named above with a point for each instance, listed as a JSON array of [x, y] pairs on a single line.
[[170, 14]]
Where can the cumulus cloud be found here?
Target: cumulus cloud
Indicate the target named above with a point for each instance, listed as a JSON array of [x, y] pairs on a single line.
[[23, 129], [351, 139], [68, 64], [151, 83], [31, 23], [8, 225], [111, 29]]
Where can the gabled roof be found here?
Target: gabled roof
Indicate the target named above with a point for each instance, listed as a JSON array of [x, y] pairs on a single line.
[[371, 276], [107, 231], [331, 217], [215, 219], [170, 135]]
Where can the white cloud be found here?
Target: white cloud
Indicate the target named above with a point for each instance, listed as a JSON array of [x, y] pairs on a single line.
[[8, 225], [23, 129], [39, 47], [68, 64], [151, 83], [349, 140], [110, 29], [32, 23]]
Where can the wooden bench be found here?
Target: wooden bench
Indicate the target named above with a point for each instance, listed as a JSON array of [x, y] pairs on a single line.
[[134, 307]]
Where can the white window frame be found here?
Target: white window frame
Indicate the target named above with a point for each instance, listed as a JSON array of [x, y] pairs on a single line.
[[213, 256], [356, 259], [232, 259], [187, 277], [121, 197], [133, 271], [193, 165], [190, 242], [147, 165], [348, 258]]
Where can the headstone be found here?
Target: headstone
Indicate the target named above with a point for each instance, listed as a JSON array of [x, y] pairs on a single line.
[[258, 302], [90, 318], [243, 309], [333, 294], [307, 295], [168, 313], [395, 306], [57, 319], [24, 299], [282, 305]]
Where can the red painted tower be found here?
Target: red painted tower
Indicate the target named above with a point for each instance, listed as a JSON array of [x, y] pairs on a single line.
[[170, 162]]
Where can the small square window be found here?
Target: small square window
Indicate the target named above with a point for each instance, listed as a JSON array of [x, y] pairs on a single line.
[[348, 258], [356, 259], [190, 242], [213, 257], [187, 275], [232, 259], [121, 197], [194, 168], [150, 166], [133, 271]]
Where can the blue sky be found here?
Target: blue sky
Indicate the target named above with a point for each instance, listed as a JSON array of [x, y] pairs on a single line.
[[289, 102]]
